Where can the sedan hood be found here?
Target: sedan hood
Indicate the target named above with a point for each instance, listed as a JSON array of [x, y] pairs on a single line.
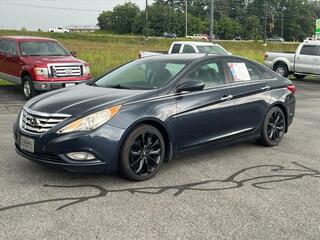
[[83, 99]]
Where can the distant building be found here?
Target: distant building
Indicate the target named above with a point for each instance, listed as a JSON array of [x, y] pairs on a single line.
[[84, 28]]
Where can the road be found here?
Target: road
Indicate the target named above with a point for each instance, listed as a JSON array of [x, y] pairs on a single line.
[[240, 192]]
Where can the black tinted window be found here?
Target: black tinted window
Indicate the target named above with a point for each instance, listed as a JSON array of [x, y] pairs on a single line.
[[11, 48], [176, 48], [244, 71], [309, 50], [211, 73], [188, 49]]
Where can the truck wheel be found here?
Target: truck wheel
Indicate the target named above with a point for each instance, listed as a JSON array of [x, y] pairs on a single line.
[[28, 88], [282, 70], [299, 76]]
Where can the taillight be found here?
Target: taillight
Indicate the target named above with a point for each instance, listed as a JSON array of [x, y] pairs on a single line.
[[292, 88], [265, 56]]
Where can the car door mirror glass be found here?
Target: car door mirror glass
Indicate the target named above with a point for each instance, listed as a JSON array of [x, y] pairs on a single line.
[[190, 85]]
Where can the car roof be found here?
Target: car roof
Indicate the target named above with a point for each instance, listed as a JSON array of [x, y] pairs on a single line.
[[22, 38], [197, 43], [179, 56]]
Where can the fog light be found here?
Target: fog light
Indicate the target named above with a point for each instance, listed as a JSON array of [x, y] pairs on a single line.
[[44, 86], [81, 156]]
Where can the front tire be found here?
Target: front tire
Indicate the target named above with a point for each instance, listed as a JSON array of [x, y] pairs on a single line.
[[142, 154], [282, 70], [28, 89], [273, 128]]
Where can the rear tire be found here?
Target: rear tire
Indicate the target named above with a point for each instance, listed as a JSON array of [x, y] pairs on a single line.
[[273, 128], [299, 76], [282, 70], [142, 153], [27, 87]]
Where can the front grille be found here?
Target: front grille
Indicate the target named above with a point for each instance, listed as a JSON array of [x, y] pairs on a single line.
[[38, 122], [65, 70]]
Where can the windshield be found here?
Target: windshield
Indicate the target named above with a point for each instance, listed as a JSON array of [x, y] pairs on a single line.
[[41, 48], [142, 74], [212, 50]]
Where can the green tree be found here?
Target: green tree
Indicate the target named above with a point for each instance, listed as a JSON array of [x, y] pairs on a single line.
[[124, 17], [105, 20], [227, 28]]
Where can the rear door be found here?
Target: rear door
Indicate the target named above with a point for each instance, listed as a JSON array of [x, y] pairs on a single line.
[[251, 93], [207, 115], [305, 60]]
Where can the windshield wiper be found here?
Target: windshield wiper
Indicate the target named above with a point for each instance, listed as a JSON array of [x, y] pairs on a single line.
[[119, 86]]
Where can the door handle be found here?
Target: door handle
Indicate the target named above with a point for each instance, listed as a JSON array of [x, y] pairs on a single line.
[[226, 98], [266, 88]]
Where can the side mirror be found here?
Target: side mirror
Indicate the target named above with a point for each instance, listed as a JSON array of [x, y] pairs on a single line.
[[73, 53], [190, 85]]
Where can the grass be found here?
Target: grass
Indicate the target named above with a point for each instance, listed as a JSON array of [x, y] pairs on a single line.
[[104, 52], [4, 83]]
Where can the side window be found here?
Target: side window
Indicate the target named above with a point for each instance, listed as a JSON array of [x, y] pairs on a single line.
[[176, 48], [244, 71], [188, 49], [309, 50], [211, 73], [3, 45], [12, 48]]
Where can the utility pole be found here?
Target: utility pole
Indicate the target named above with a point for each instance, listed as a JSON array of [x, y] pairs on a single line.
[[147, 18], [265, 22], [211, 19], [186, 18], [282, 23], [0, 14]]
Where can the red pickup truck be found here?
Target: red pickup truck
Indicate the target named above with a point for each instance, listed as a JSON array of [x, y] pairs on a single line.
[[39, 64]]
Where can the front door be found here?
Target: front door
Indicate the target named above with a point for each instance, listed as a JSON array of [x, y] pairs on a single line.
[[207, 115]]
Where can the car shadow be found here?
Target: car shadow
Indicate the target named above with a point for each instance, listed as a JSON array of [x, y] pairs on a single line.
[[260, 177], [11, 94]]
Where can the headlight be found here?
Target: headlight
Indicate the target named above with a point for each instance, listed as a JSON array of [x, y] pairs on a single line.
[[86, 70], [91, 121], [41, 71]]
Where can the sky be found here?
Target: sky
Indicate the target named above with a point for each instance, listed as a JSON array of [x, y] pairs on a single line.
[[45, 14]]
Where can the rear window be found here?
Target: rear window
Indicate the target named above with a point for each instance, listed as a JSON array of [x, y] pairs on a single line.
[[244, 71], [309, 50]]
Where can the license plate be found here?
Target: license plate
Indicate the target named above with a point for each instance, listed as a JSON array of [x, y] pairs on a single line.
[[27, 144], [70, 84]]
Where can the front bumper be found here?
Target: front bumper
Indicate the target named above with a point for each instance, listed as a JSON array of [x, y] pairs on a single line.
[[48, 86], [51, 149]]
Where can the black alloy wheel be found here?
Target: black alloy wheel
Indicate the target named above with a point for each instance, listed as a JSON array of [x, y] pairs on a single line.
[[273, 128], [143, 153]]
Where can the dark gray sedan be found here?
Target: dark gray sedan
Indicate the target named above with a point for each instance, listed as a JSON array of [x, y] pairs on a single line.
[[139, 115]]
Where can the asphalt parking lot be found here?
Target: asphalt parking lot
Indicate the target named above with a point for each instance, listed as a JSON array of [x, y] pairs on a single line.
[[237, 192]]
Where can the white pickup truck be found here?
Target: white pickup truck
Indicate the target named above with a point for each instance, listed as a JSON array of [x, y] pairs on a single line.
[[188, 47], [305, 61], [59, 30]]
